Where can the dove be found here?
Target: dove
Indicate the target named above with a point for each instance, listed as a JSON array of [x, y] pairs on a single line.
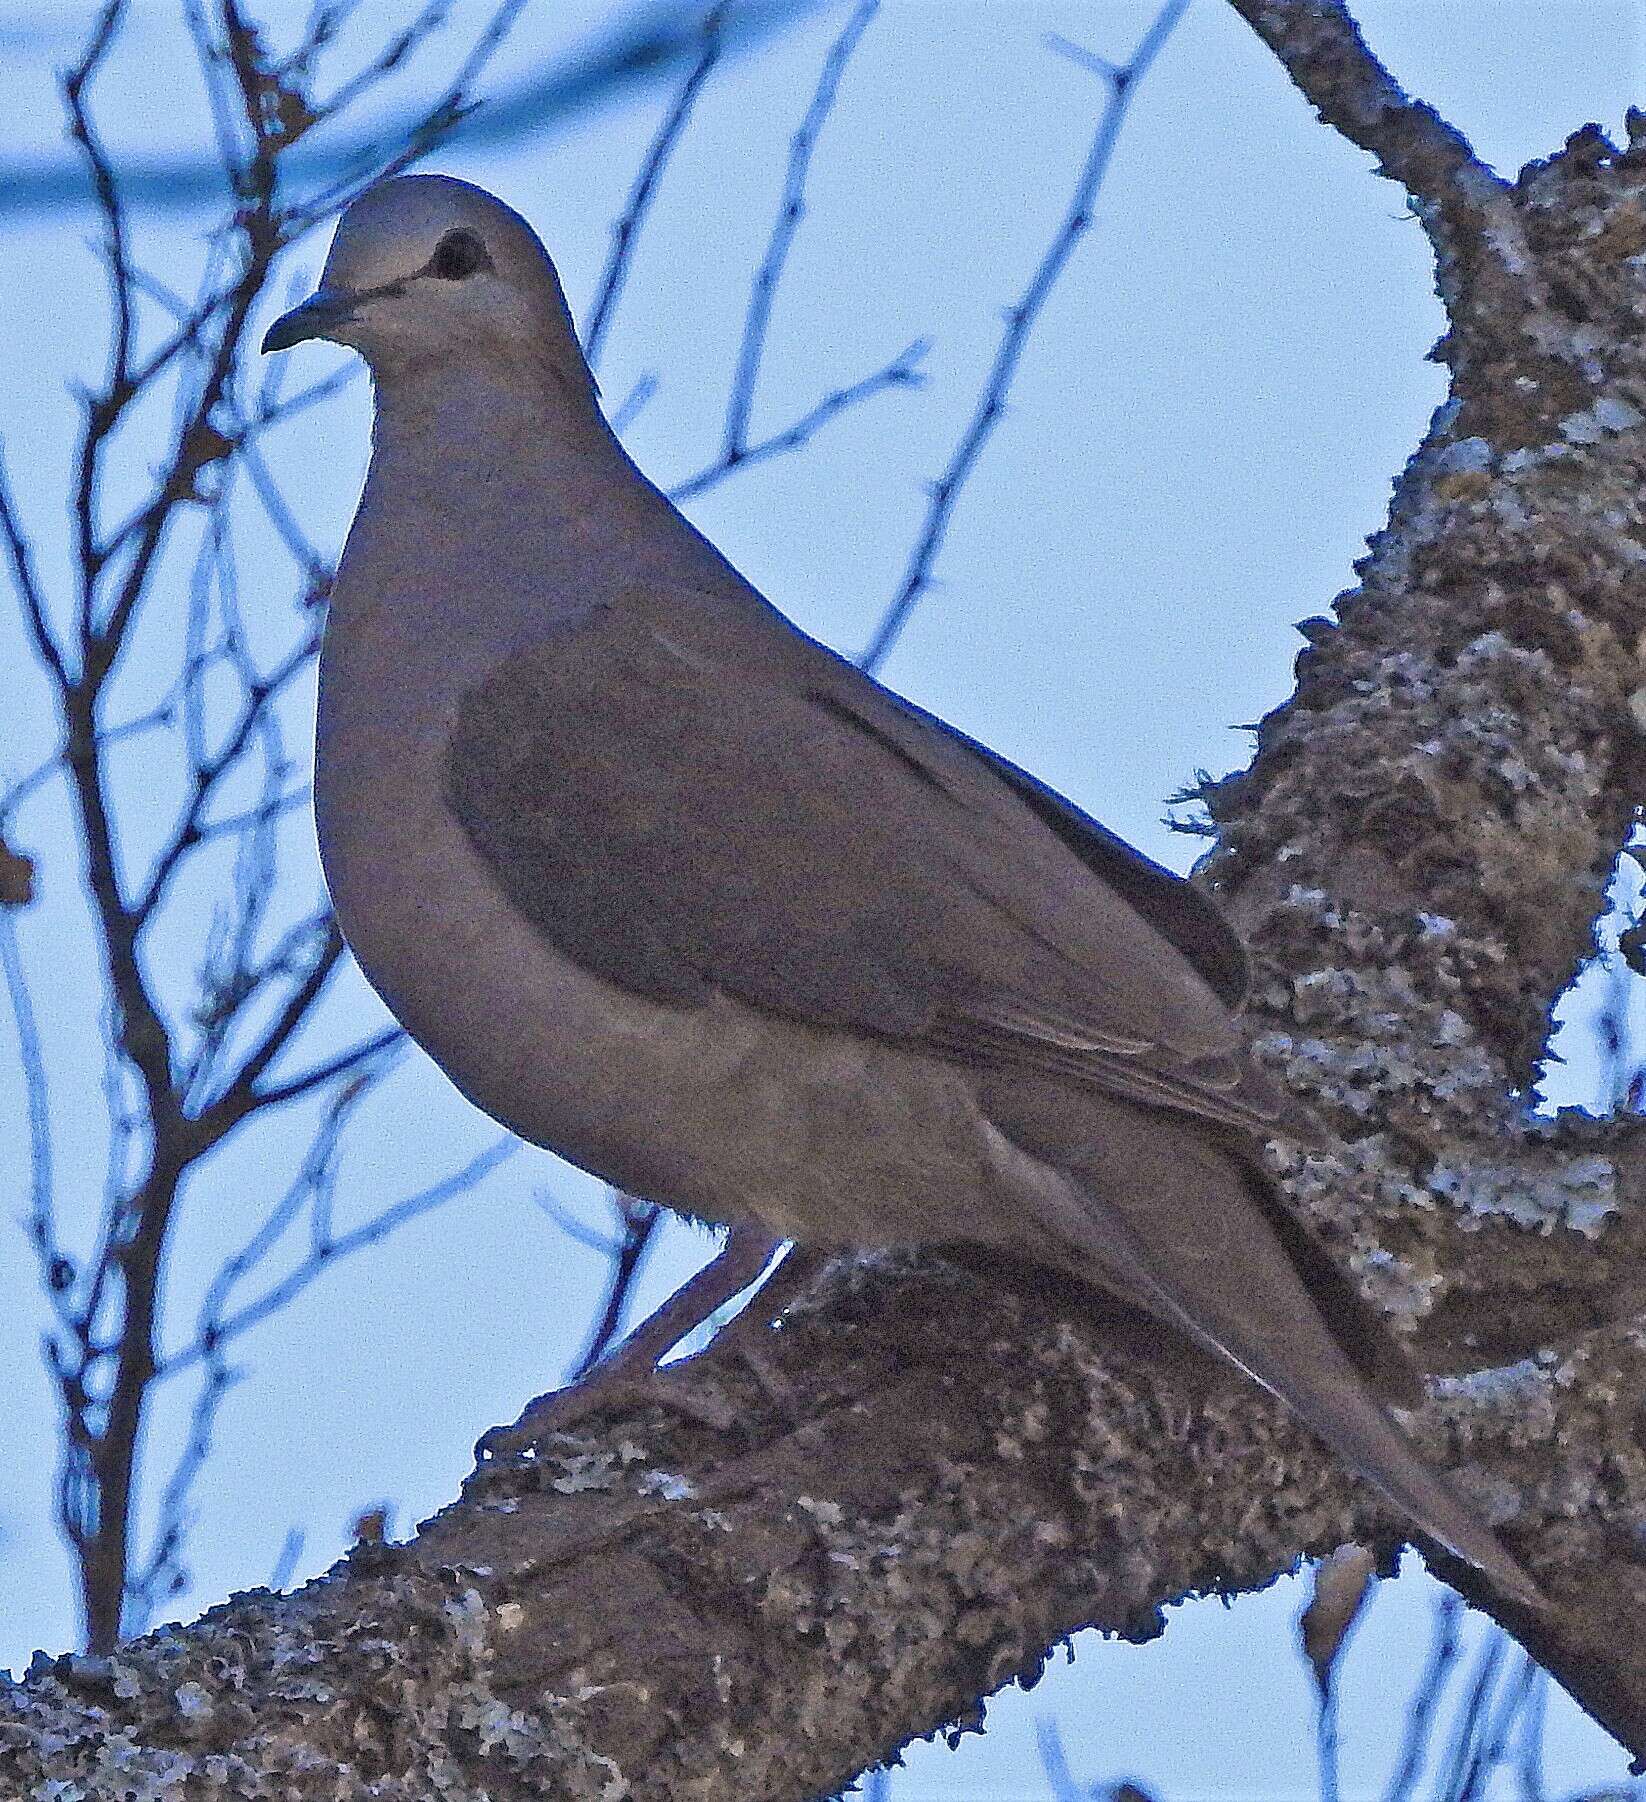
[[669, 888]]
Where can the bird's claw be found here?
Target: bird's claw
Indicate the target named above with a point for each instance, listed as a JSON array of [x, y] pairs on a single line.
[[562, 1409]]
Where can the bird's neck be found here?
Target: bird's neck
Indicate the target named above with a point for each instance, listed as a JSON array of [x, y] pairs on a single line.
[[480, 415], [515, 497]]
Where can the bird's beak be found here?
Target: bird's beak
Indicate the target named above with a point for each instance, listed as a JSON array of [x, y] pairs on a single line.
[[318, 317]]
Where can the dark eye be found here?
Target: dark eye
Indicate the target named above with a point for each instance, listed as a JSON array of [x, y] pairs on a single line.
[[458, 254]]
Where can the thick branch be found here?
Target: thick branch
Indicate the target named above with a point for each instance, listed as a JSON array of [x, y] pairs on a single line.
[[973, 1477], [1420, 848], [1459, 199]]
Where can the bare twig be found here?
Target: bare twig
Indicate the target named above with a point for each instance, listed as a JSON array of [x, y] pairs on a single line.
[[736, 452], [550, 98], [1492, 1749], [1020, 322], [902, 371], [638, 1225], [327, 1251], [285, 1562], [177, 1080], [1420, 1718], [27, 582], [1054, 1762], [55, 1269], [1470, 1726], [675, 118], [1528, 1756], [791, 209]]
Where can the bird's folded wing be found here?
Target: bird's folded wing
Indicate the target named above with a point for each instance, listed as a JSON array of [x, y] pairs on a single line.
[[686, 795]]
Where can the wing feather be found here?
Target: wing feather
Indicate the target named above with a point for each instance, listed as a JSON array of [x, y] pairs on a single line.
[[681, 814]]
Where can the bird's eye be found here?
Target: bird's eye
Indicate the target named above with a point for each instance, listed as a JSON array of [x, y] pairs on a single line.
[[458, 254]]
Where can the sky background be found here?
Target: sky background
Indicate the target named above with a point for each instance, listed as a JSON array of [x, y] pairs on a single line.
[[1202, 434]]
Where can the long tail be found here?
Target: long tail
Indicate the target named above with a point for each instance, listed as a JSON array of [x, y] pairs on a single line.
[[1194, 1237]]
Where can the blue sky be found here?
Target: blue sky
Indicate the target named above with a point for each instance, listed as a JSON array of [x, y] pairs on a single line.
[[1202, 434]]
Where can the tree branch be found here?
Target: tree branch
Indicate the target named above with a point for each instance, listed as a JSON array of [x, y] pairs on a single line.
[[968, 1471], [757, 320], [675, 119], [1464, 206], [903, 371], [975, 1473], [1419, 850], [1020, 322]]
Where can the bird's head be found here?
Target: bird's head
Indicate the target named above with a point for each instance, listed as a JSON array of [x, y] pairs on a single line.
[[428, 269]]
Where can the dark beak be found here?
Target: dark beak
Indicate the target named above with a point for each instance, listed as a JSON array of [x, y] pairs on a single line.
[[318, 317]]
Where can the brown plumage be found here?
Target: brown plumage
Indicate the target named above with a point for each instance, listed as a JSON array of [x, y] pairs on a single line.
[[672, 889]]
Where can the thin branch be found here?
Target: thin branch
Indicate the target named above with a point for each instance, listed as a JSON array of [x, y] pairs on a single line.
[[546, 100], [371, 161], [1471, 1721], [226, 990], [589, 1237], [346, 1063], [389, 58], [639, 1222], [242, 1095], [103, 1355], [20, 556], [1020, 323], [285, 1562], [37, 1101], [231, 1324], [104, 412], [628, 410], [310, 1188], [1491, 1751], [791, 209], [1420, 1719], [1054, 1762], [261, 692], [903, 371], [662, 147], [1529, 1751], [232, 824], [163, 1573]]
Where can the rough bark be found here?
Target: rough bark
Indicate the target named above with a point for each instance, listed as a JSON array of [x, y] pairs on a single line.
[[970, 1469], [656, 1608]]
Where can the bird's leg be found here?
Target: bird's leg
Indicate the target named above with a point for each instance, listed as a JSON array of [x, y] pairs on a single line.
[[775, 1294], [629, 1369]]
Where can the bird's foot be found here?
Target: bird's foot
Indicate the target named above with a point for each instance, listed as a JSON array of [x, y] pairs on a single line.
[[609, 1386], [630, 1375]]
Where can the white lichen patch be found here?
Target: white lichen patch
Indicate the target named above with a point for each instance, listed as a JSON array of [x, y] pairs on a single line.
[[667, 1484], [1463, 456], [1579, 1193], [582, 1471], [1513, 1402], [1498, 1386], [1402, 1291], [1609, 414], [193, 1702]]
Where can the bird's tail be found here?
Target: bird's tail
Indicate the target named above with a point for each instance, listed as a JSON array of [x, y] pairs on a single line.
[[1219, 1257]]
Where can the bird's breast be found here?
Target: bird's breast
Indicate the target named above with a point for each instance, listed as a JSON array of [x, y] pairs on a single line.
[[715, 1109]]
